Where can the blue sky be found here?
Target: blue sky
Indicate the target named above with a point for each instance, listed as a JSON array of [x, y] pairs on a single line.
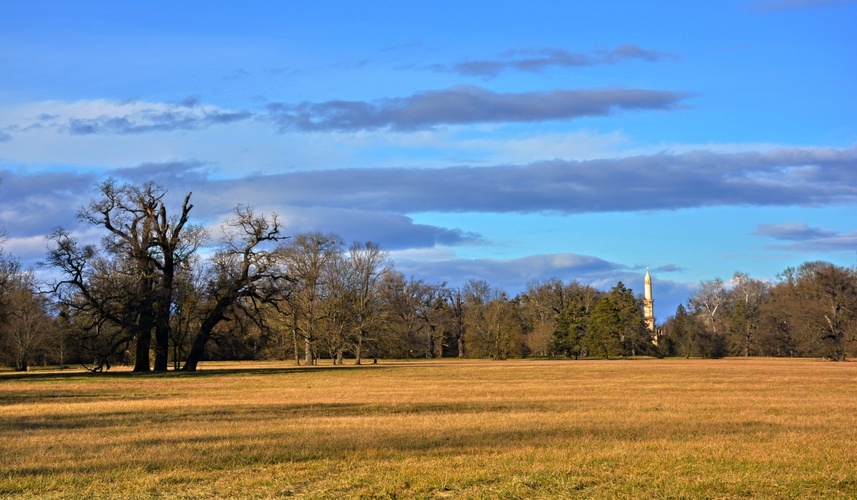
[[504, 141]]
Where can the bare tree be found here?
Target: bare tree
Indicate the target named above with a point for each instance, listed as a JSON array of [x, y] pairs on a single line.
[[747, 296], [190, 288], [710, 300], [457, 302], [149, 247], [338, 318], [493, 325], [98, 297], [829, 315], [399, 296], [431, 309], [307, 258], [366, 264], [549, 308], [26, 324], [244, 274]]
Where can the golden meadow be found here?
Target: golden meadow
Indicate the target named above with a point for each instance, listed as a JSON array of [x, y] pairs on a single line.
[[675, 428]]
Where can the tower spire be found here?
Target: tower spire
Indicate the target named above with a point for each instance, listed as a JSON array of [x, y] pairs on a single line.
[[648, 302]]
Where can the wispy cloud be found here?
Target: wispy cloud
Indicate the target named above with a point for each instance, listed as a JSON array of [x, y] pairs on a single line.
[[94, 117], [170, 173], [420, 111], [802, 237], [537, 60], [467, 105], [669, 268], [153, 120], [793, 232]]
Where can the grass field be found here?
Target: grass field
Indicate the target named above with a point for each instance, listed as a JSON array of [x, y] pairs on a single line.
[[457, 429]]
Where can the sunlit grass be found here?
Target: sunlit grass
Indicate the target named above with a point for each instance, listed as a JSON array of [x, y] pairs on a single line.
[[478, 429]]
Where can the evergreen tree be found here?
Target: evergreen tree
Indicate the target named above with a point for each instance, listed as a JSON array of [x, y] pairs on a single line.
[[571, 327]]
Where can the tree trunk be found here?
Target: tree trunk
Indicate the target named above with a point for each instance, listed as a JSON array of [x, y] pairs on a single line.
[[197, 350], [195, 354], [297, 351], [162, 331], [358, 352], [215, 316], [164, 294], [162, 353], [144, 309], [141, 364], [308, 357]]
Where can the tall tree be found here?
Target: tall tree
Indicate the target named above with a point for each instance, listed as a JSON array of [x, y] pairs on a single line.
[[747, 296], [150, 246], [244, 274], [308, 257], [570, 330], [829, 315], [492, 322], [542, 304], [366, 264], [98, 295], [402, 300], [457, 303], [603, 334], [431, 309], [617, 326], [26, 327], [778, 335], [686, 332], [572, 322], [710, 301]]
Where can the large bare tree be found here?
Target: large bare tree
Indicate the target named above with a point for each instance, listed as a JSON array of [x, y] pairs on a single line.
[[244, 274], [149, 246]]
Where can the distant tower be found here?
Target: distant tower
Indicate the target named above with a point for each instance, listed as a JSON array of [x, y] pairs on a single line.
[[649, 303]]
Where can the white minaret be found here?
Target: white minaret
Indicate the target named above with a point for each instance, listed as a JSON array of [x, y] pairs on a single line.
[[649, 303]]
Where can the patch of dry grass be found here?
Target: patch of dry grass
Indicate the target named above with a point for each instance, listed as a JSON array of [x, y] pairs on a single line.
[[463, 429]]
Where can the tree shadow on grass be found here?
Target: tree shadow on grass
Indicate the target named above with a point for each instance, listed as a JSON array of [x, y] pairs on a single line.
[[207, 371]]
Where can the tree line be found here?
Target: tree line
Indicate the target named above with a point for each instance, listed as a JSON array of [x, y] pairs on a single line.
[[809, 311], [159, 291]]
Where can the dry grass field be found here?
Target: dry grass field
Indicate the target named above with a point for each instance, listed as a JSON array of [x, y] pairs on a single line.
[[457, 429]]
